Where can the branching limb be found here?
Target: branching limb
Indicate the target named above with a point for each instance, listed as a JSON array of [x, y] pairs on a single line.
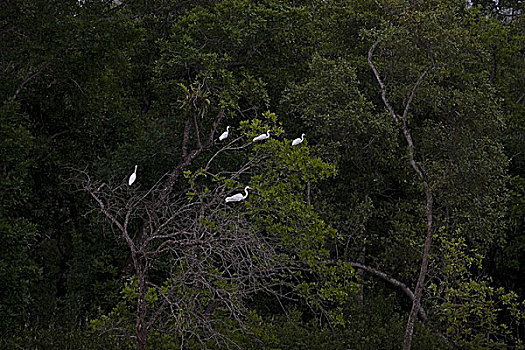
[[95, 193], [393, 281], [404, 127]]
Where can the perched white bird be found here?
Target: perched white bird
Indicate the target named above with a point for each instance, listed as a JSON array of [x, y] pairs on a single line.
[[298, 140], [224, 134], [133, 177], [238, 197], [262, 136]]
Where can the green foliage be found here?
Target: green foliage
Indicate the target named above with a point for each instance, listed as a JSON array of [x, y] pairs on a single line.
[[68, 336], [102, 87], [375, 325], [18, 270], [475, 314]]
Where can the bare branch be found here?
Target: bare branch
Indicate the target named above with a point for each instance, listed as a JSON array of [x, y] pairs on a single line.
[[227, 148], [393, 281], [404, 127], [418, 83], [95, 194], [380, 81]]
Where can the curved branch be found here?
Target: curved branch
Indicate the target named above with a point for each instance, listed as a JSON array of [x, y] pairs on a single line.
[[422, 314], [393, 281], [225, 148], [380, 81], [418, 83]]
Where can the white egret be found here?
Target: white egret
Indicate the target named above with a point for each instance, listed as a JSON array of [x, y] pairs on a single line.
[[238, 197], [262, 136], [133, 177], [224, 134], [298, 140]]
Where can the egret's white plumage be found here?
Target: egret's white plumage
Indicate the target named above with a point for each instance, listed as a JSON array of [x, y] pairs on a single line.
[[224, 134], [298, 140], [133, 177], [238, 197], [262, 136]]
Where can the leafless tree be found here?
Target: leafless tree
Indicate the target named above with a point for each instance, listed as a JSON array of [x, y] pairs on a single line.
[[196, 259], [217, 257]]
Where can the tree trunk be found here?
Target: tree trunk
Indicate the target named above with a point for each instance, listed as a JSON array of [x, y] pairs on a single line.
[[416, 304], [141, 311]]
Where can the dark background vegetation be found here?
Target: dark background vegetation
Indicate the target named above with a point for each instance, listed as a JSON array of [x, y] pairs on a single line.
[[96, 85]]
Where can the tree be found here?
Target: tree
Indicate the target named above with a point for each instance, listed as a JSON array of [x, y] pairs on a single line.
[[218, 254], [435, 84], [419, 24], [401, 119]]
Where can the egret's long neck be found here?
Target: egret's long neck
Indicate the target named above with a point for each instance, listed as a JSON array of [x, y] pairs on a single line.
[[246, 191], [136, 168]]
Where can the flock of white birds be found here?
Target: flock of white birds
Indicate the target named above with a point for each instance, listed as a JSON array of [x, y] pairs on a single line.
[[239, 196]]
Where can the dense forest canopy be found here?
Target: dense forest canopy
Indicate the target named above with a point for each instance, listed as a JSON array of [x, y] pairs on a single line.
[[383, 208]]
